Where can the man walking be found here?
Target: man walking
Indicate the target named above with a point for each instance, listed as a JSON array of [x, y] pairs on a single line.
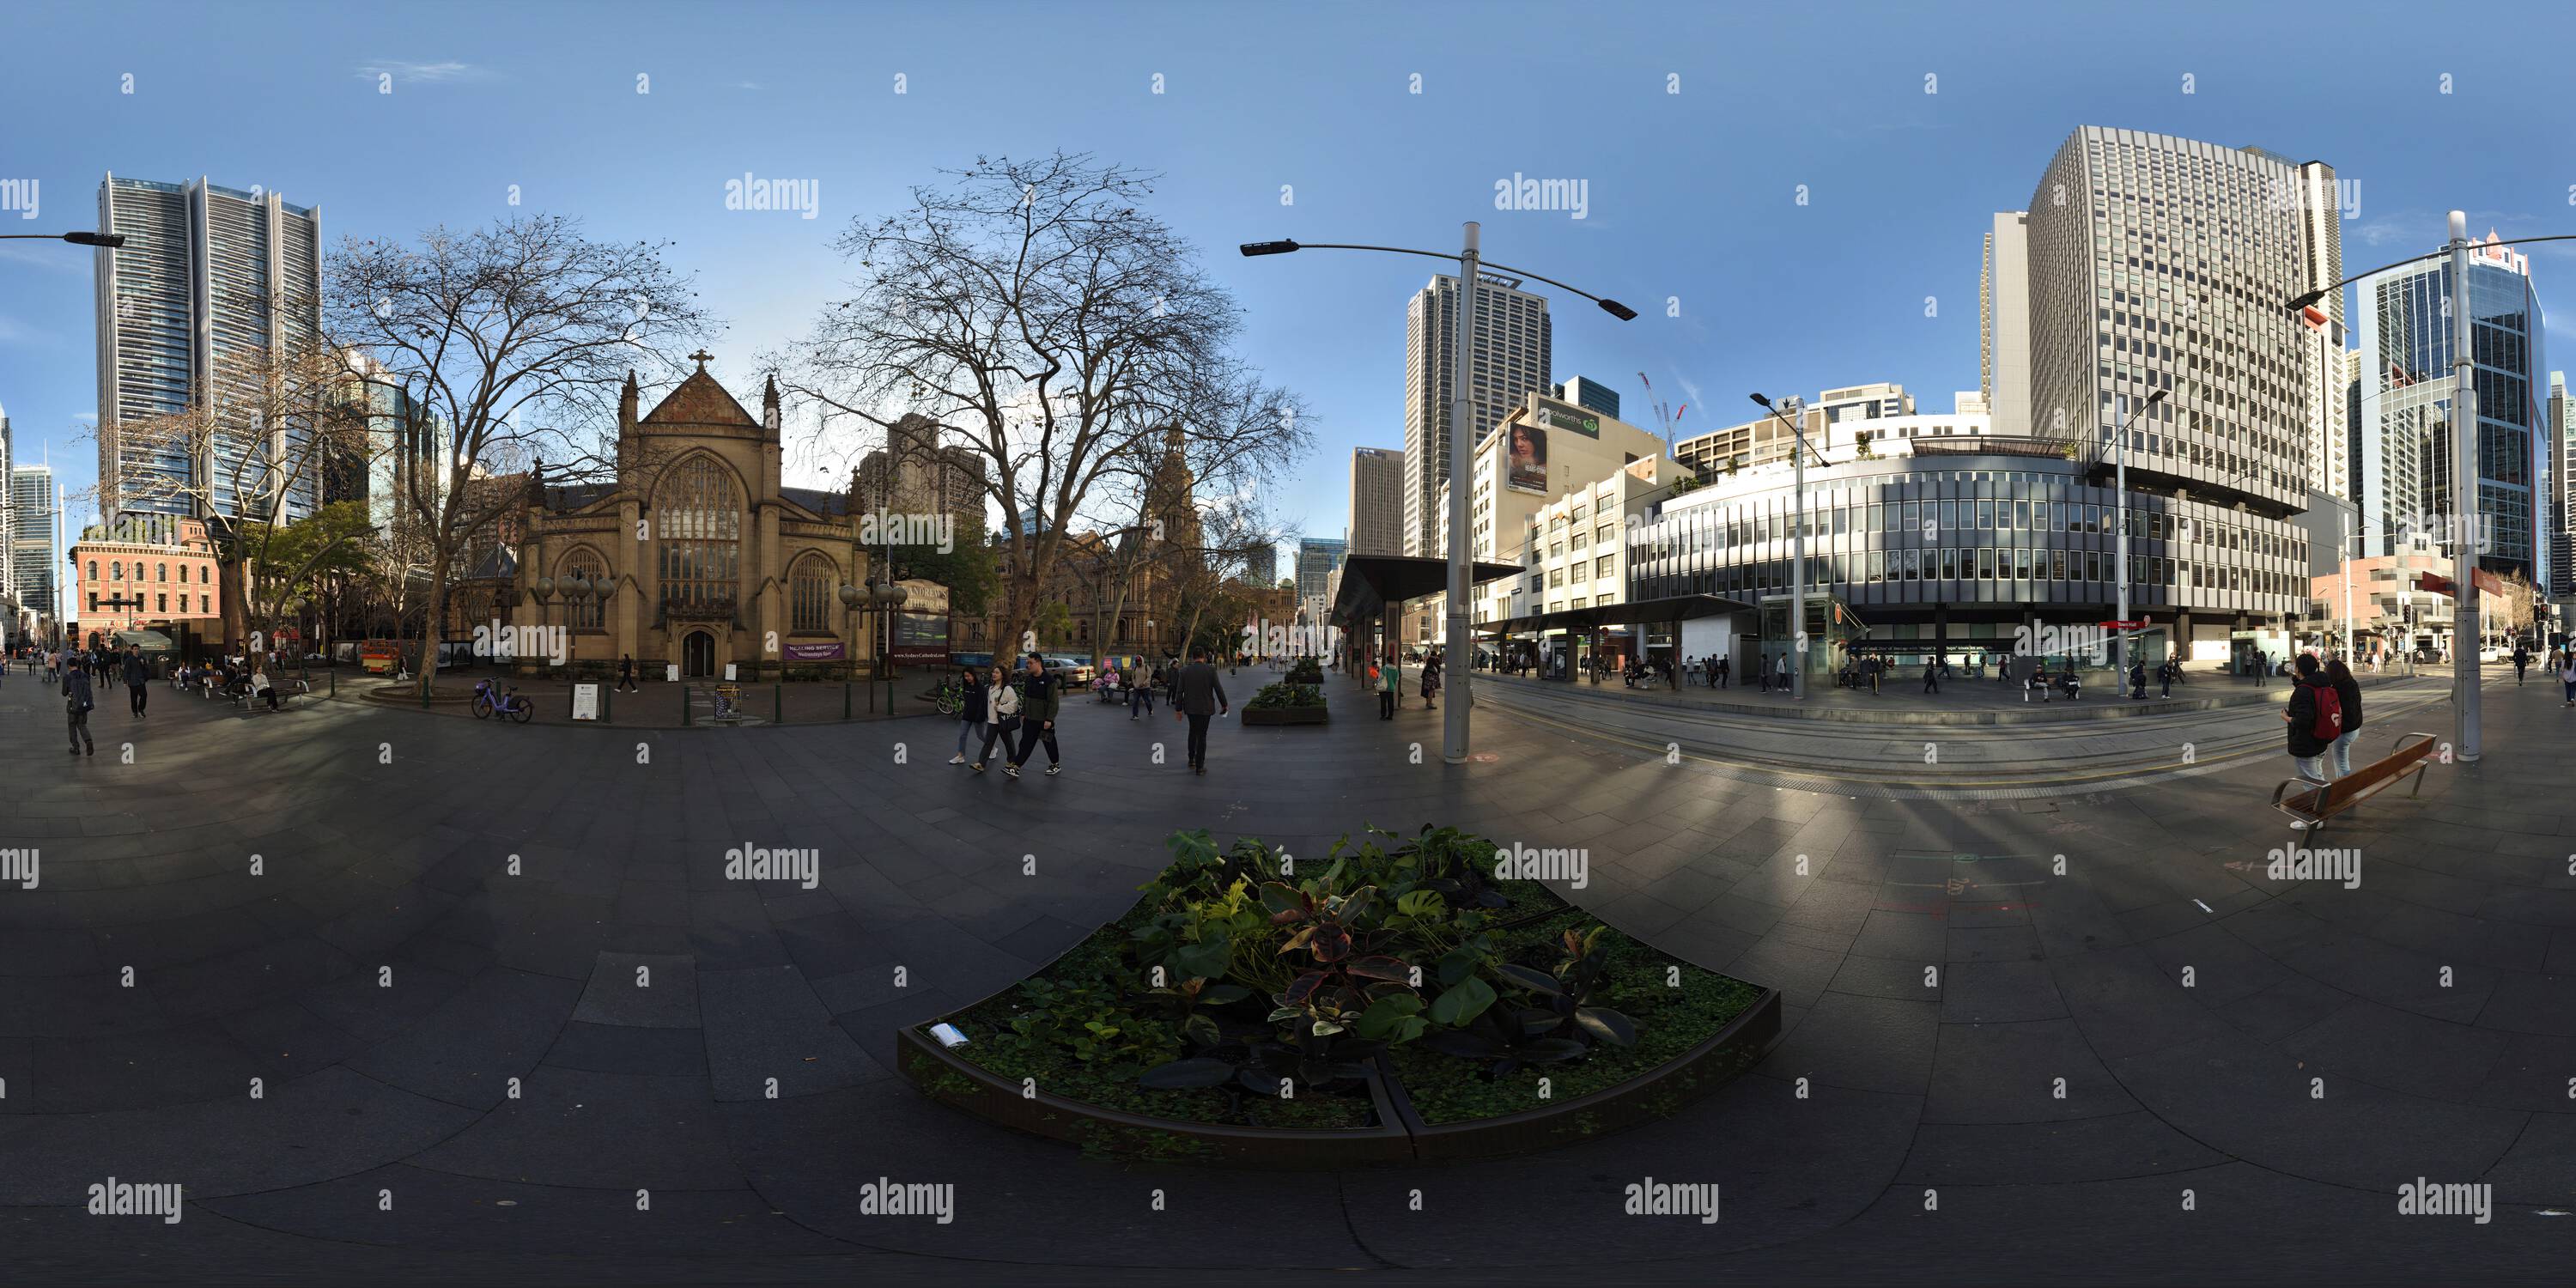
[[138, 680], [76, 705], [1140, 690], [1039, 702], [1197, 697], [2521, 661], [626, 674]]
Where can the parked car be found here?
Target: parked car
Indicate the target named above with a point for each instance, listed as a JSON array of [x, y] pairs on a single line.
[[1068, 668], [976, 661]]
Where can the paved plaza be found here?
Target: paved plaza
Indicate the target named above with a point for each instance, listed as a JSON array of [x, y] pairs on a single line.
[[1992, 1070]]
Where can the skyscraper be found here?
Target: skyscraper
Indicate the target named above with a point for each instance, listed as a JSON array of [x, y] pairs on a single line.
[[8, 513], [2165, 264], [31, 537], [2562, 489], [1583, 391], [2407, 386], [210, 280], [2003, 324], [1514, 355], [1377, 502], [2320, 210], [1317, 557]]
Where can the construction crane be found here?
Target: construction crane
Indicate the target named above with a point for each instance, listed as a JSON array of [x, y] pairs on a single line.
[[1664, 416]]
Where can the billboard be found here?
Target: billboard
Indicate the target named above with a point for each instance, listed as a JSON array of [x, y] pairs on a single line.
[[1527, 467], [832, 652], [1552, 414], [920, 638]]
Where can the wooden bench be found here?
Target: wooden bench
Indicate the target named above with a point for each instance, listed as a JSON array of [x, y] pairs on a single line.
[[2311, 806]]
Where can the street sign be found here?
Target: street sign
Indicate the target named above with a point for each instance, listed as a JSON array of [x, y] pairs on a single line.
[[585, 702], [2121, 626]]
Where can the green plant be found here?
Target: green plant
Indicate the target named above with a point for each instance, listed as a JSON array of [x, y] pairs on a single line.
[[1091, 1021], [1306, 670], [1273, 696], [1568, 992]]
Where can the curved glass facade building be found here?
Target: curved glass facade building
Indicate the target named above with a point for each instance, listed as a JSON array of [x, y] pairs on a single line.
[[1954, 549]]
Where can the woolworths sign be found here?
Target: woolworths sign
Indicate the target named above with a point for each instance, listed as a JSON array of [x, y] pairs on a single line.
[[1556, 415]]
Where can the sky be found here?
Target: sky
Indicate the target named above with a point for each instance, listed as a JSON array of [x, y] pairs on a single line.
[[1792, 196]]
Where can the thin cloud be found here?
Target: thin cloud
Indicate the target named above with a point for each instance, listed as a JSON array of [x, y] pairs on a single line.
[[409, 73]]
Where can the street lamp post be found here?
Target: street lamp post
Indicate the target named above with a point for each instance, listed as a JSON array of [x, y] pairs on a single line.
[[2465, 669], [1453, 723], [1790, 411], [2120, 491], [108, 241]]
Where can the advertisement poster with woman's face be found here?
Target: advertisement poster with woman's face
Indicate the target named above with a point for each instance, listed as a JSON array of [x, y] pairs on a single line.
[[1529, 459]]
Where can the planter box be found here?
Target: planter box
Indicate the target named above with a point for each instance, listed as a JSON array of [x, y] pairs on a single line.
[[952, 1081], [1284, 715], [1657, 1093]]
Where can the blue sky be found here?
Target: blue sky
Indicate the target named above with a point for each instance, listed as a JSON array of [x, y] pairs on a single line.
[[1692, 195]]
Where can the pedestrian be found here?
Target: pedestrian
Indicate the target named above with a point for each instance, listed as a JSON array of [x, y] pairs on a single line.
[[2567, 677], [626, 674], [2521, 662], [1384, 683], [1781, 681], [1140, 690], [1876, 669], [1725, 672], [970, 710], [2165, 676], [1001, 715], [76, 705], [138, 680], [1932, 677], [1197, 698], [1431, 683], [2348, 697], [1039, 703], [259, 685], [2315, 717]]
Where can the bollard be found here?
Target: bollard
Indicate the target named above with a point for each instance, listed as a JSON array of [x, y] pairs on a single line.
[[845, 699], [777, 704], [684, 706]]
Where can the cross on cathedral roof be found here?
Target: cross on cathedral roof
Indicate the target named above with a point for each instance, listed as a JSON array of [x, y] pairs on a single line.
[[702, 358]]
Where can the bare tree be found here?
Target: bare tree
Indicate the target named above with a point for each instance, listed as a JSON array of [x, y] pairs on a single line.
[[494, 336], [247, 456], [1050, 327]]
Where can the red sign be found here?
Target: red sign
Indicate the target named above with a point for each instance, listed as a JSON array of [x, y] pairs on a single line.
[[2315, 316], [2433, 583], [2121, 626]]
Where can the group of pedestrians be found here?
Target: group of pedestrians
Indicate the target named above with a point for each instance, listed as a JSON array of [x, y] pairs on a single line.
[[997, 709], [2324, 716]]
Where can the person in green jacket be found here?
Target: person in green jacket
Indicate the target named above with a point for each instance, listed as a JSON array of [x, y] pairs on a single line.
[[1390, 691]]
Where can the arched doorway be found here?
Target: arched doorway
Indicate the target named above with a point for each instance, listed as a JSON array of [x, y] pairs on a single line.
[[698, 655]]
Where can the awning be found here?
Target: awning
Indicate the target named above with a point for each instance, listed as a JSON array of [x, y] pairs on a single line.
[[1671, 608], [1371, 583]]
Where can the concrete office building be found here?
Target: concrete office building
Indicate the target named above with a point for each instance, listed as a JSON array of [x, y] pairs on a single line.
[[2320, 214], [1574, 549], [1544, 449], [2003, 324], [1513, 356], [1835, 418], [2562, 491], [209, 279], [2403, 441], [2166, 267], [1377, 502]]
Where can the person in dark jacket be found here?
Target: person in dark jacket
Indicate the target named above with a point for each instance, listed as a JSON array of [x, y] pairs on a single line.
[[1039, 701], [76, 705], [626, 674], [2348, 691], [138, 680], [970, 711], [2137, 678], [2307, 750], [1198, 696]]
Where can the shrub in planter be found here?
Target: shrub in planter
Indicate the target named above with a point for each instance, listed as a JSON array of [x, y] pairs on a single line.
[[1286, 703], [1306, 670], [1250, 995]]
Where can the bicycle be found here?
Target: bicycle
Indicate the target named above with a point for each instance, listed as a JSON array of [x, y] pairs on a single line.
[[508, 705], [949, 697]]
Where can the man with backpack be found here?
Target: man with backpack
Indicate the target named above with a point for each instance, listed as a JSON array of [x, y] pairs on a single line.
[[76, 705], [2315, 718]]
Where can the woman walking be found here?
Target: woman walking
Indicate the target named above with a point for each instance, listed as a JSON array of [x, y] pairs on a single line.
[[970, 710], [1001, 715], [2348, 695], [1431, 683]]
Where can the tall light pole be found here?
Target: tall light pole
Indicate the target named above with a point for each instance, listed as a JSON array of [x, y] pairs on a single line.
[[1453, 720], [1791, 412], [2465, 669], [2120, 491]]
